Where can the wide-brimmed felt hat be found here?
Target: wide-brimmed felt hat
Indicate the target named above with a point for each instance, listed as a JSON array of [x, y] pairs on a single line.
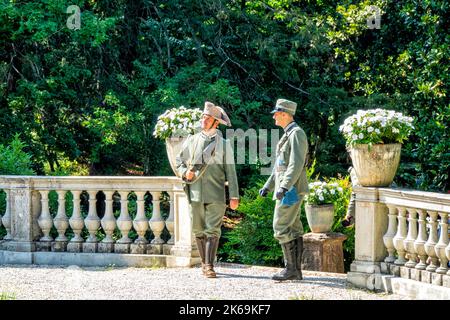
[[217, 113], [285, 105]]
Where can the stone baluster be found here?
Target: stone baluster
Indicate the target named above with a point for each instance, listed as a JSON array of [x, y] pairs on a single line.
[[45, 220], [431, 242], [108, 222], [411, 238], [419, 244], [76, 222], [170, 220], [442, 244], [6, 219], [447, 254], [400, 237], [140, 222], [156, 222], [390, 234], [61, 221], [92, 221], [124, 222]]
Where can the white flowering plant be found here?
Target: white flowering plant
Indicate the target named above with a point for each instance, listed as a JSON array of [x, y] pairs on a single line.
[[376, 126], [323, 193], [177, 122]]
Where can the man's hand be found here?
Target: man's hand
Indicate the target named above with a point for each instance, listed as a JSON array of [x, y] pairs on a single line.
[[190, 175], [280, 193], [263, 192], [234, 203]]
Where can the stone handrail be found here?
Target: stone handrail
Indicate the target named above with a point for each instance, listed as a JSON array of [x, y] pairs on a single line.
[[402, 233], [28, 221]]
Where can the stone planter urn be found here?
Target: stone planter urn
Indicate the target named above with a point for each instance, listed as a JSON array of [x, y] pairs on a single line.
[[375, 166], [320, 217], [173, 148]]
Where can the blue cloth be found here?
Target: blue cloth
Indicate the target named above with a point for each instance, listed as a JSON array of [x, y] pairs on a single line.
[[290, 198]]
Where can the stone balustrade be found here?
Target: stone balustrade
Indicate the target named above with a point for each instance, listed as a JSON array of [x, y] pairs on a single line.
[[421, 239], [401, 233], [99, 229]]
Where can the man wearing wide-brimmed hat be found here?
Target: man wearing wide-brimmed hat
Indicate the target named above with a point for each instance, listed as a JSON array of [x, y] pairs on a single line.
[[289, 183], [205, 163]]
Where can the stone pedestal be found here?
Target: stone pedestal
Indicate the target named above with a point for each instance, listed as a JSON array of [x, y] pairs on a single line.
[[323, 252], [59, 246], [75, 247], [122, 248]]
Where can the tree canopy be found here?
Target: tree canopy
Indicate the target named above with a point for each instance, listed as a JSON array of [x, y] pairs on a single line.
[[92, 95]]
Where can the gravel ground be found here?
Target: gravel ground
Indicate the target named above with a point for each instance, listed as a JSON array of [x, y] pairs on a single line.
[[234, 282]]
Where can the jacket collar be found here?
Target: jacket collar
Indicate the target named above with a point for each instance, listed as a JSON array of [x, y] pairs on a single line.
[[289, 127]]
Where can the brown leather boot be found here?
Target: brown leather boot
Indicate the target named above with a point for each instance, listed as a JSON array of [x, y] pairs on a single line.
[[201, 245], [290, 261], [299, 257], [211, 248]]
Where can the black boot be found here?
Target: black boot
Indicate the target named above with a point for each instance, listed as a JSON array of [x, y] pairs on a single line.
[[299, 257], [290, 262], [211, 248], [201, 245]]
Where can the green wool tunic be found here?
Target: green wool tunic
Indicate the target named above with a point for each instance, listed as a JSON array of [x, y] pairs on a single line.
[[289, 172], [206, 194]]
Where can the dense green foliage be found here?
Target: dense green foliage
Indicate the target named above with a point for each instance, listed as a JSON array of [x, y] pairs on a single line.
[[93, 95], [14, 160]]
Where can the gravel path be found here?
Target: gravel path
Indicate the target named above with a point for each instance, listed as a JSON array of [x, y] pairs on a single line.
[[234, 282]]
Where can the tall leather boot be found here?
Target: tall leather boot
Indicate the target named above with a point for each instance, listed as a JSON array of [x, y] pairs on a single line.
[[201, 245], [290, 262], [211, 248], [299, 257]]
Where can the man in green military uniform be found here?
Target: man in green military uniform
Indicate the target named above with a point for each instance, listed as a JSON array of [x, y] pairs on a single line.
[[288, 180], [205, 163]]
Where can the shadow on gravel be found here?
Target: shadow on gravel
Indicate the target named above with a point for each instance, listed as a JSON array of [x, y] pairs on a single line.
[[233, 275]]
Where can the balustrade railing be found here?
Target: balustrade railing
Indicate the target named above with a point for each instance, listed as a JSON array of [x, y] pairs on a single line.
[[417, 234], [83, 222]]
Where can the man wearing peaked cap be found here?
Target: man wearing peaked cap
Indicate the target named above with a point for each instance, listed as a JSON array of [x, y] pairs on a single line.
[[289, 183], [205, 163]]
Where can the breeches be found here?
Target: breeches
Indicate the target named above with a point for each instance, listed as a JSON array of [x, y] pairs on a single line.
[[207, 218], [286, 221]]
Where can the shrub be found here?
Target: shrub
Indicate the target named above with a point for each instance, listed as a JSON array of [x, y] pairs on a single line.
[[251, 240], [13, 160]]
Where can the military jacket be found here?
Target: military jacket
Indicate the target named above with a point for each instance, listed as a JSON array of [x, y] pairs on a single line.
[[210, 185], [290, 169]]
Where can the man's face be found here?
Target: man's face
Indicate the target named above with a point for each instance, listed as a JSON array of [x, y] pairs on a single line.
[[279, 118], [207, 121]]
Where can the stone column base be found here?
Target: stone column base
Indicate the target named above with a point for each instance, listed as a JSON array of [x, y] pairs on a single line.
[[75, 247], [121, 248], [90, 247], [59, 246], [43, 246], [155, 249], [105, 247], [323, 252], [138, 248]]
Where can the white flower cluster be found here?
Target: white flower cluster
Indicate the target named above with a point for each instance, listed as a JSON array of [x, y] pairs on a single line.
[[177, 121], [323, 193], [376, 126]]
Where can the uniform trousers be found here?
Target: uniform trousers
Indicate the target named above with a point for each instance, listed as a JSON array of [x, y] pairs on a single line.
[[286, 221], [207, 218]]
